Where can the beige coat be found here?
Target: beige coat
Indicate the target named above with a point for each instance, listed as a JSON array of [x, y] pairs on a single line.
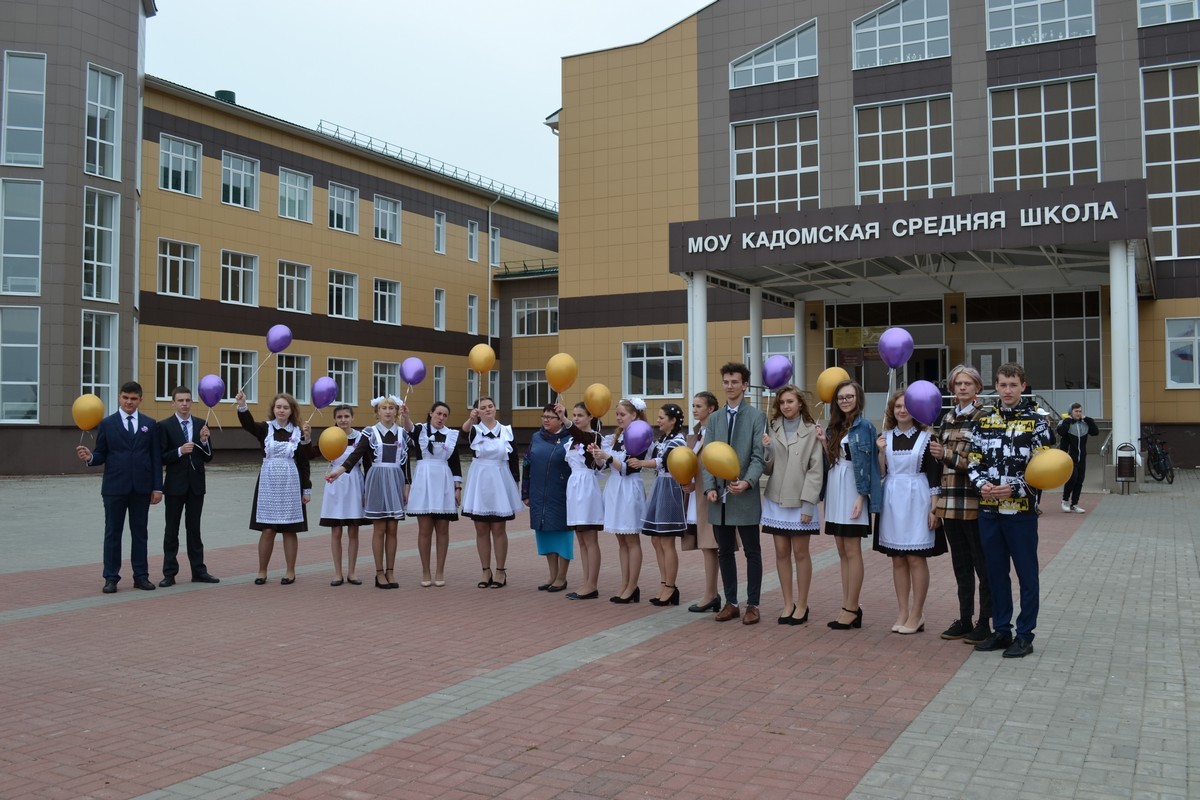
[[794, 469]]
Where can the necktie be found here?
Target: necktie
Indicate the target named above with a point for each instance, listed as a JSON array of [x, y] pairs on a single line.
[[732, 420], [129, 424], [187, 430]]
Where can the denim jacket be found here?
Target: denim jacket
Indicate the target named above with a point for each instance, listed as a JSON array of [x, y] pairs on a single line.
[[865, 457]]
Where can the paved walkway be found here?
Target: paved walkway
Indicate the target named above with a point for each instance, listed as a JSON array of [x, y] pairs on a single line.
[[236, 690]]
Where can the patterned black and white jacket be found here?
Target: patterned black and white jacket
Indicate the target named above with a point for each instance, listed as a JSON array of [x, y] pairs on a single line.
[[1002, 442]]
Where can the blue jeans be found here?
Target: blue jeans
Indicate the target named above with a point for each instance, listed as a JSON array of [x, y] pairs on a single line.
[[1011, 537]]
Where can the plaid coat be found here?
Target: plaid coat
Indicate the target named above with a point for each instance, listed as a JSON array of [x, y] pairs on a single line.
[[959, 498]]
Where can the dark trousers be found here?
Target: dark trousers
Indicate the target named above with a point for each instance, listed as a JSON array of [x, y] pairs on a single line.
[[115, 508], [726, 536], [1073, 487], [1005, 538], [189, 506], [966, 554]]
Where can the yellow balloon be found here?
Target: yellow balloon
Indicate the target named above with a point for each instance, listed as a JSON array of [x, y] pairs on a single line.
[[1049, 469], [721, 460], [561, 371], [827, 383], [598, 399], [332, 443], [87, 411], [682, 463], [481, 358]]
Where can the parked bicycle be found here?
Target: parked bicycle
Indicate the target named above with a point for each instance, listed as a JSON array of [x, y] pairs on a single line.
[[1158, 457]]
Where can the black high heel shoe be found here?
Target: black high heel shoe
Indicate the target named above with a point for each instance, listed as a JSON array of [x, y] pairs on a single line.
[[391, 584], [804, 619], [378, 583], [855, 623], [673, 600], [495, 584], [712, 605], [636, 597], [486, 582], [786, 619]]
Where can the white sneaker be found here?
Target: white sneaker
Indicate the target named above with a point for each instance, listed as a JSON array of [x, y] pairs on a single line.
[[1066, 506], [1077, 510]]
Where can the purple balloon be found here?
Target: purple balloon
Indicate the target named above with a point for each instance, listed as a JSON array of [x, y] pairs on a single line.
[[895, 347], [278, 338], [924, 401], [638, 437], [412, 371], [211, 390], [324, 390], [777, 371]]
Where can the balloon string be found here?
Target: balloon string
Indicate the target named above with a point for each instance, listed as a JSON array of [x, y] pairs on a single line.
[[256, 371]]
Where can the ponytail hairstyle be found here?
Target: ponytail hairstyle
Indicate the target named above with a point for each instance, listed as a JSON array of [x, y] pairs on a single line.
[[593, 422], [675, 414]]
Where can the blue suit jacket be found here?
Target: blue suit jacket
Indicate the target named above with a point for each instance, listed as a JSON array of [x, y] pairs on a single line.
[[133, 464]]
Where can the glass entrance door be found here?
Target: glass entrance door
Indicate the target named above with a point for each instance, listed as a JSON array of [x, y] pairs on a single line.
[[987, 357]]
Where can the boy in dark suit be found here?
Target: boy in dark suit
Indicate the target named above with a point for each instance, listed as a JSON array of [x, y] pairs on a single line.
[[127, 443], [185, 451]]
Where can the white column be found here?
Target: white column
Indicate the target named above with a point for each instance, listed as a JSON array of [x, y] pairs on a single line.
[[697, 333], [1119, 282], [1132, 344], [799, 326], [756, 316]]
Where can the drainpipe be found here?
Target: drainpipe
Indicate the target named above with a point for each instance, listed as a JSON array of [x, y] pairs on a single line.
[[483, 388]]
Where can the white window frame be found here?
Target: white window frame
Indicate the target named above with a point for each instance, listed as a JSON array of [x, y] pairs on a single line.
[[239, 278], [530, 389], [539, 309], [5, 349], [177, 364], [344, 372], [776, 344], [904, 30], [389, 212], [1176, 341], [1161, 12], [776, 149], [494, 386], [100, 277], [343, 208], [1172, 166], [295, 195], [292, 371], [1039, 30], [494, 318], [494, 246], [104, 385], [666, 360], [439, 232], [182, 158], [11, 94], [178, 262], [439, 384], [1073, 175], [439, 309], [342, 299], [237, 367], [383, 291], [472, 387], [385, 378], [472, 240], [239, 174], [293, 284], [94, 142], [921, 192], [779, 57], [473, 314], [22, 284]]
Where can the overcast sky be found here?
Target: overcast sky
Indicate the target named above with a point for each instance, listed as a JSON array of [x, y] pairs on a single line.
[[468, 82]]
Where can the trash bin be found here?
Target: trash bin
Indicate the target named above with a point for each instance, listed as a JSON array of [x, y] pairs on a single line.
[[1126, 465]]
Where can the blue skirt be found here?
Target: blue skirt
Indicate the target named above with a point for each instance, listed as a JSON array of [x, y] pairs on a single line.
[[561, 543]]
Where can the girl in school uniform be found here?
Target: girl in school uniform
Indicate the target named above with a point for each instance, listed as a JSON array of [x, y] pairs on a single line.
[[436, 488], [700, 533], [666, 517], [492, 496], [585, 500], [624, 498], [342, 505], [384, 447]]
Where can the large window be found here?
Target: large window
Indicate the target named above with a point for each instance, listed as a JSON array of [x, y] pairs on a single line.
[[494, 246], [439, 309], [20, 237], [1171, 104], [439, 232], [344, 372], [343, 208], [494, 386], [778, 345], [472, 387], [387, 219], [295, 195], [291, 376], [439, 384], [101, 244], [343, 294], [102, 137], [239, 181], [1158, 12], [236, 368], [174, 365], [1044, 135], [293, 287], [20, 336], [472, 240], [905, 30], [1183, 346], [494, 318], [905, 151], [654, 369], [793, 55], [1013, 23], [473, 314], [775, 166], [239, 278], [385, 378], [535, 316], [178, 269], [387, 301], [98, 356], [24, 111], [178, 165], [530, 389]]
